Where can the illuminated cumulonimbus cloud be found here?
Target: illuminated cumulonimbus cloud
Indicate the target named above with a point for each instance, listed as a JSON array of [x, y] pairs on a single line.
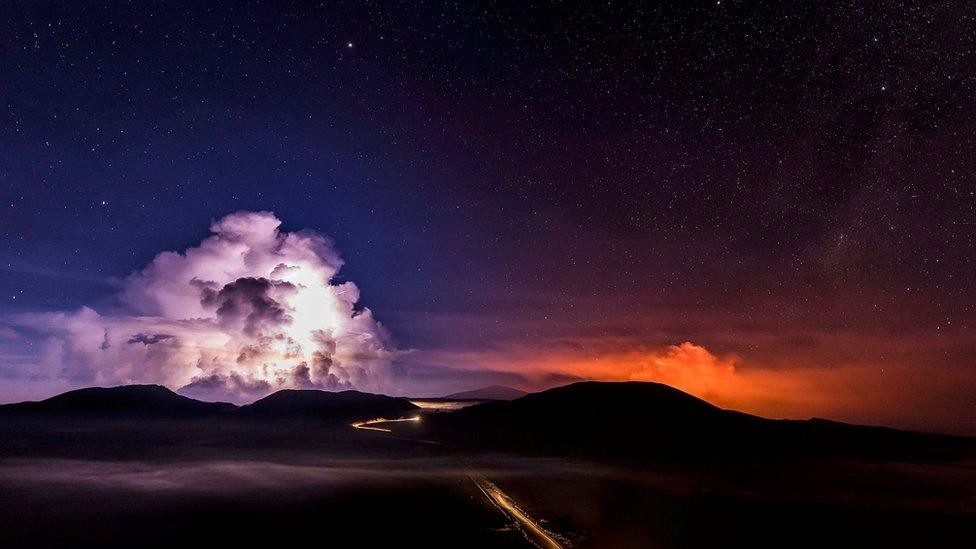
[[250, 310]]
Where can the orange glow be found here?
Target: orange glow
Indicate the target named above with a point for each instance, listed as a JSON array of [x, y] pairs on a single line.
[[857, 390]]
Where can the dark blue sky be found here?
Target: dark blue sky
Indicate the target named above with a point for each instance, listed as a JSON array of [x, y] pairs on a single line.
[[128, 128], [755, 177]]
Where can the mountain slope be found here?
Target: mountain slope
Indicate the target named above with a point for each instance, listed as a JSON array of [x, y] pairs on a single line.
[[128, 401], [324, 405], [642, 420], [493, 392]]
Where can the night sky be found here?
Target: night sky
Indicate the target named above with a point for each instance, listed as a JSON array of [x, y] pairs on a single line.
[[768, 204]]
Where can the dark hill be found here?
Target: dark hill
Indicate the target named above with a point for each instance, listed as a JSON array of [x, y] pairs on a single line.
[[324, 405], [129, 401], [494, 392], [593, 416], [646, 420]]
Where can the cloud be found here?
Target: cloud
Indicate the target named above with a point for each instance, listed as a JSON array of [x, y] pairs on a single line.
[[249, 310], [145, 339], [233, 386], [254, 305]]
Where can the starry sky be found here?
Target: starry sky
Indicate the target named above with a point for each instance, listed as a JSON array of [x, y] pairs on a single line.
[[768, 204]]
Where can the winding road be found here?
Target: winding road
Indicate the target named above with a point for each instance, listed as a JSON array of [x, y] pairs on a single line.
[[530, 528], [370, 424]]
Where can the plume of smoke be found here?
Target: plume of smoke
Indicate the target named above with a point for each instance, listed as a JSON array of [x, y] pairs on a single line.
[[249, 310]]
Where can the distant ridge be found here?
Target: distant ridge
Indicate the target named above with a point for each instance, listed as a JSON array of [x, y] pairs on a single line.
[[493, 392], [157, 402], [129, 401], [315, 404]]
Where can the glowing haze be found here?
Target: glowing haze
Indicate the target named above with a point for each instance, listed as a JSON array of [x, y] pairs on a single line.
[[250, 310]]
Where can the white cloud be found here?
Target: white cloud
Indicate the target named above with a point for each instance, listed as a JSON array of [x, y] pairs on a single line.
[[249, 310]]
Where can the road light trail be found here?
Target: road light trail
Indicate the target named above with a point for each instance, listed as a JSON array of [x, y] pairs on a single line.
[[369, 424], [529, 527]]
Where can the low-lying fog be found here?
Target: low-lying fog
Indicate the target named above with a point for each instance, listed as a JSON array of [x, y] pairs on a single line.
[[435, 501]]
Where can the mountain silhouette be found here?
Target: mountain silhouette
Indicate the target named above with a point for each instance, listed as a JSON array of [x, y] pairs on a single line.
[[158, 402], [493, 392], [325, 405], [627, 420], [128, 401], [646, 420]]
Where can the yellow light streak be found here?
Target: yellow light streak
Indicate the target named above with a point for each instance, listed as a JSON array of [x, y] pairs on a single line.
[[369, 424], [529, 527]]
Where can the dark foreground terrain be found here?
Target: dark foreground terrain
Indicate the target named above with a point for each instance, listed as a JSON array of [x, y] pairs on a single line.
[[589, 465]]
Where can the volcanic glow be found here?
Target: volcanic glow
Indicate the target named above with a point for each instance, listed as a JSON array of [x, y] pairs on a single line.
[[249, 310], [851, 391]]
